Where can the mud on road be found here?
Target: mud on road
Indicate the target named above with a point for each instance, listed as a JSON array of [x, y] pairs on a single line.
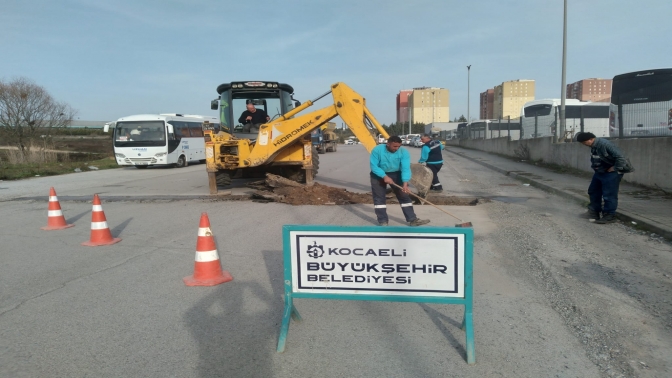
[[275, 189]]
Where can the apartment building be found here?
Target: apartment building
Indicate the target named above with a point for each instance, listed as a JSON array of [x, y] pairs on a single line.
[[510, 96], [486, 104], [595, 90], [429, 105], [402, 105]]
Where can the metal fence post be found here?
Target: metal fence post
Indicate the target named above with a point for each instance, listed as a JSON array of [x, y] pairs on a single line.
[[499, 128], [582, 124], [556, 134], [620, 121], [508, 127], [485, 130], [536, 127]]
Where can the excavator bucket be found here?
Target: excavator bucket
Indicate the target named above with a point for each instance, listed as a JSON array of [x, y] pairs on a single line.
[[421, 178]]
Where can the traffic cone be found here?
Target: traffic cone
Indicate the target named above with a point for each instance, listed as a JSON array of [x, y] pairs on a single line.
[[100, 232], [207, 268], [55, 218]]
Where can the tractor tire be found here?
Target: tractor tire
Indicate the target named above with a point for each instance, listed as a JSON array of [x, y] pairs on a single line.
[[223, 178], [322, 150], [298, 174]]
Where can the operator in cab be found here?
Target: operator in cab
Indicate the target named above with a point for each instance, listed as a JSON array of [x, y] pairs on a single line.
[[391, 164], [252, 117]]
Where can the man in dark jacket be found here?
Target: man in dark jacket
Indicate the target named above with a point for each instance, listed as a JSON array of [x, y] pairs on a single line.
[[609, 165], [252, 117], [431, 157]]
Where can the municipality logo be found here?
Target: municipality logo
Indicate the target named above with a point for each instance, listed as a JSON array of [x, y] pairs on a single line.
[[315, 251]]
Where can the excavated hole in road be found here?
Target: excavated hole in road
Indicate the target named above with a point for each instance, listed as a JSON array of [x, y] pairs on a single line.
[[276, 189]]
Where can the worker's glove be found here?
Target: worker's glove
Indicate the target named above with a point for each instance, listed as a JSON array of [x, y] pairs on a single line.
[[423, 164]]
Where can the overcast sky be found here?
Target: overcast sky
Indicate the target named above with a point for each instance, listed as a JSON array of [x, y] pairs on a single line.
[[110, 59]]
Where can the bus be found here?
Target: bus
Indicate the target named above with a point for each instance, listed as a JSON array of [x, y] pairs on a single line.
[[160, 139], [641, 104], [591, 117]]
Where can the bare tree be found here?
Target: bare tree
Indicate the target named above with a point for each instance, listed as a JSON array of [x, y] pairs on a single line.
[[27, 111]]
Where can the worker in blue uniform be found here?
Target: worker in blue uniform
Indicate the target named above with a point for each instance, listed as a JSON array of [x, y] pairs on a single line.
[[432, 157], [391, 164]]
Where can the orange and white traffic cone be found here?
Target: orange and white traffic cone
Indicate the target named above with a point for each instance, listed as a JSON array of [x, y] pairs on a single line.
[[55, 218], [100, 232], [207, 268]]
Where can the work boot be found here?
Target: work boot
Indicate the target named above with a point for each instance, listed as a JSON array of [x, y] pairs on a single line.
[[606, 219], [418, 222], [592, 214], [382, 224]]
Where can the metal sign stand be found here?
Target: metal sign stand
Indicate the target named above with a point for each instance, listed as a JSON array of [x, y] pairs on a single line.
[[466, 300]]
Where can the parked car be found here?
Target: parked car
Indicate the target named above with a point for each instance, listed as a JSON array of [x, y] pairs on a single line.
[[410, 138], [349, 141], [417, 142]]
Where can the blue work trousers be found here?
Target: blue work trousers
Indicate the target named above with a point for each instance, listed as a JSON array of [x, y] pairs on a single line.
[[435, 168], [379, 189], [604, 186]]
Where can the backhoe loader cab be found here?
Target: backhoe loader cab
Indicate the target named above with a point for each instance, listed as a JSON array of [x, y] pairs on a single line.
[[273, 98]]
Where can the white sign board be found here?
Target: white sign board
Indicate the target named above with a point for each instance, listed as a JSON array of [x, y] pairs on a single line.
[[404, 264]]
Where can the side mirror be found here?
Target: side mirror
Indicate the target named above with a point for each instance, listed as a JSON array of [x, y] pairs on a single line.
[[106, 128], [170, 129], [214, 104], [297, 103]]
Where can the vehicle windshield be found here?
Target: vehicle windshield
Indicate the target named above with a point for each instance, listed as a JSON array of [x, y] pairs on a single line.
[[538, 110], [631, 89], [270, 106], [140, 134]]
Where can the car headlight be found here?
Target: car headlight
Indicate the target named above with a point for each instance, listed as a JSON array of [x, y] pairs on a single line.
[[120, 155], [161, 154]]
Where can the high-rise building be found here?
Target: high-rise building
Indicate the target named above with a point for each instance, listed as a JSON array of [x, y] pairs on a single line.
[[595, 90], [402, 105], [429, 105], [510, 96], [486, 104]]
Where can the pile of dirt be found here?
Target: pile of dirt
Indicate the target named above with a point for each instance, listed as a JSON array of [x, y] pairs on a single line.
[[279, 189]]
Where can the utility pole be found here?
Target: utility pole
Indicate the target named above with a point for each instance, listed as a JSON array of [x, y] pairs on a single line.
[[468, 89], [409, 120], [563, 94]]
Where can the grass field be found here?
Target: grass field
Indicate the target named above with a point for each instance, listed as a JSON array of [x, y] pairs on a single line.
[[20, 171], [74, 151]]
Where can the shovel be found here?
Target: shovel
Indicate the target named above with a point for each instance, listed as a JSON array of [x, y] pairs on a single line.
[[461, 224]]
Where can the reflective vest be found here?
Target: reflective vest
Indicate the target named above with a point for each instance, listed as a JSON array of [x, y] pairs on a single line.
[[435, 155]]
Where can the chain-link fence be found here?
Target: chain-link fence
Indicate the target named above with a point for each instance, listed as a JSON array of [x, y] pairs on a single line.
[[641, 120], [490, 128], [602, 119]]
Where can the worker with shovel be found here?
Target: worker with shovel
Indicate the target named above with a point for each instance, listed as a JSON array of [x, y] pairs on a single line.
[[391, 165]]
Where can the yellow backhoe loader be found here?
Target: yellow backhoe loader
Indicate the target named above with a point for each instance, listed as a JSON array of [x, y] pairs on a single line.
[[283, 144]]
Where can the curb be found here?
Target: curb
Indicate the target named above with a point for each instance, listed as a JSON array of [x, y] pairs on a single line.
[[624, 215]]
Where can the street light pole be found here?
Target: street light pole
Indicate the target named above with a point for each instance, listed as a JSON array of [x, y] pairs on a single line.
[[468, 90], [563, 93]]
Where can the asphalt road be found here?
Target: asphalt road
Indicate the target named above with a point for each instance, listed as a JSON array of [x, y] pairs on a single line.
[[555, 296]]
